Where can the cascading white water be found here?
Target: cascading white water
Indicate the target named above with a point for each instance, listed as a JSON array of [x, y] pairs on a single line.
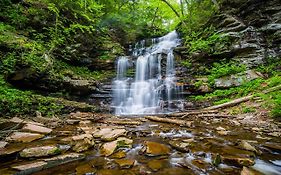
[[149, 89]]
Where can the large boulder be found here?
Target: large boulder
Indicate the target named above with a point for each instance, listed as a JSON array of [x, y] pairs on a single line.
[[80, 86], [237, 79]]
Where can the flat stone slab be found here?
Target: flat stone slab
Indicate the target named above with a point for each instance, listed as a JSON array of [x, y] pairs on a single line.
[[40, 151], [83, 145], [30, 167], [36, 128], [24, 137], [72, 121], [3, 144], [108, 148], [16, 120], [156, 165], [156, 149], [239, 162], [109, 134], [180, 146], [247, 146], [63, 159], [125, 163], [19, 120], [85, 169], [82, 136], [10, 150], [118, 155], [273, 146], [82, 115], [85, 123], [88, 130]]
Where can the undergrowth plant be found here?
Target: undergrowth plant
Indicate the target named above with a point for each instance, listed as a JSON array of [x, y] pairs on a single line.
[[219, 70], [206, 40], [18, 102]]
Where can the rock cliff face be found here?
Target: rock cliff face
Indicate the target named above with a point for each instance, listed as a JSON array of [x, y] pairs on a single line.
[[253, 29]]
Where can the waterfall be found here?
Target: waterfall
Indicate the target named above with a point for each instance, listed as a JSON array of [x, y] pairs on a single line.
[[150, 88]]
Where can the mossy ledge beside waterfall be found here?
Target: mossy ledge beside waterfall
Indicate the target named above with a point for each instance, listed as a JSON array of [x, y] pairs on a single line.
[[154, 86]]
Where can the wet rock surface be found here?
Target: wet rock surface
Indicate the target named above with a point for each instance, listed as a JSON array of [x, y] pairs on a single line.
[[237, 79], [24, 137], [156, 149], [108, 148], [31, 167], [125, 163], [114, 147], [40, 151], [36, 129], [3, 144]]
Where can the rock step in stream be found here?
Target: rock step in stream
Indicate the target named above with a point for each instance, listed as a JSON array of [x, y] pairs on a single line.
[[112, 145]]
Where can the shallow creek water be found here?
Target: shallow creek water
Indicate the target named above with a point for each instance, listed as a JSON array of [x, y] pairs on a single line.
[[202, 143]]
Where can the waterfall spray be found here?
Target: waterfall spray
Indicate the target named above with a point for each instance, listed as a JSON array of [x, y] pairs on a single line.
[[151, 87]]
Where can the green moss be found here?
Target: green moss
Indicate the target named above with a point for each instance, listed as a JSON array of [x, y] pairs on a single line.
[[186, 63], [62, 69], [206, 40], [219, 70], [18, 102], [130, 72], [271, 67], [225, 100], [246, 109], [272, 101], [122, 144], [235, 92], [198, 84]]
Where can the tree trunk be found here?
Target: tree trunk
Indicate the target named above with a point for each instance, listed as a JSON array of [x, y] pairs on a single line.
[[168, 120], [182, 7], [172, 8], [240, 100]]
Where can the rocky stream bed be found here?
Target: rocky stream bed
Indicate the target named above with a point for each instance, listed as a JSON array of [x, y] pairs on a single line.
[[102, 144]]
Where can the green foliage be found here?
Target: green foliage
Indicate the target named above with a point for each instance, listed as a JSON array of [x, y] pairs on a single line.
[[196, 34], [225, 100], [272, 102], [138, 19], [276, 111], [32, 57], [62, 69], [130, 72], [246, 109], [13, 13], [18, 102], [272, 66], [5, 28], [231, 93], [198, 84], [273, 99], [122, 144], [195, 19], [206, 41], [219, 70], [186, 63], [8, 64]]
